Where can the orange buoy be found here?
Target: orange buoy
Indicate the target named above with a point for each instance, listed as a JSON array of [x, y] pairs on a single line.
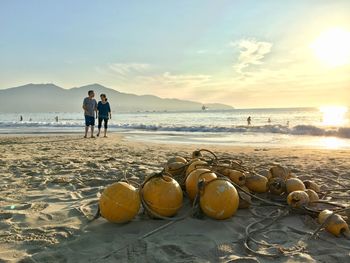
[[313, 196], [219, 199], [235, 176], [336, 225], [163, 195], [195, 165], [175, 168], [277, 185], [119, 202], [311, 185], [279, 171], [176, 159], [256, 183], [193, 179], [294, 184], [297, 199], [245, 200]]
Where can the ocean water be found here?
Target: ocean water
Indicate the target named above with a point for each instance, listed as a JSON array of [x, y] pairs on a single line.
[[302, 127]]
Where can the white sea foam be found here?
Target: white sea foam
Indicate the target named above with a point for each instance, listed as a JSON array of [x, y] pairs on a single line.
[[343, 132]]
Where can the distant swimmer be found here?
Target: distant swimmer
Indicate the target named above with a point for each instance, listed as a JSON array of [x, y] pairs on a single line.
[[269, 120], [287, 123], [30, 119], [249, 120], [56, 118], [21, 118]]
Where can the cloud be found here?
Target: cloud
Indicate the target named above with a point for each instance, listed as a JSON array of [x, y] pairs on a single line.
[[124, 69], [202, 51], [171, 85], [192, 80], [251, 52]]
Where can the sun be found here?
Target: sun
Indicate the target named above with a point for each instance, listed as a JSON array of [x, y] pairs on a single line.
[[332, 47], [334, 115]]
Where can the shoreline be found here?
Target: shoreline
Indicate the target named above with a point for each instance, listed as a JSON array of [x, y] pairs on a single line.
[[330, 143]]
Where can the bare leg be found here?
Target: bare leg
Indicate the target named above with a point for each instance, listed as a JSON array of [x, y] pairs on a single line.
[[105, 127], [92, 132], [98, 133], [86, 131]]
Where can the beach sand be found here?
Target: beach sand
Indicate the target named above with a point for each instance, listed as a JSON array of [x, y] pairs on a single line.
[[50, 184]]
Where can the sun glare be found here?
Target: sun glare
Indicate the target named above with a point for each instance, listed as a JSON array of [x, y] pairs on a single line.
[[332, 47], [331, 142], [334, 115]]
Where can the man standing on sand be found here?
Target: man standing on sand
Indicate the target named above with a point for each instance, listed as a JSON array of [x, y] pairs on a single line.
[[90, 111], [249, 120]]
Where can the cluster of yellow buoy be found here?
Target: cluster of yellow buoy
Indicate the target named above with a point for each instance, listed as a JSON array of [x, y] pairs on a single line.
[[302, 193], [219, 189]]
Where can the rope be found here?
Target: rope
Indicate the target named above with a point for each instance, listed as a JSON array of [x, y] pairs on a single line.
[[213, 160], [279, 249], [150, 233]]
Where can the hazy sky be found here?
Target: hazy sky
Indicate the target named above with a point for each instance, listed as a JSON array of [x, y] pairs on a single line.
[[269, 53]]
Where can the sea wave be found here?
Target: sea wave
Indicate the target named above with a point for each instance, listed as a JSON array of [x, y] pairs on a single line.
[[342, 132]]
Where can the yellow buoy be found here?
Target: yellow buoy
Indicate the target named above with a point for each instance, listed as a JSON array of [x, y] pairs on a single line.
[[193, 179], [119, 202], [313, 196], [280, 171], [297, 199], [219, 199], [312, 185], [336, 225], [177, 159], [235, 176], [195, 165], [266, 173], [175, 168], [163, 195], [196, 154], [277, 186], [294, 184], [245, 200], [256, 183]]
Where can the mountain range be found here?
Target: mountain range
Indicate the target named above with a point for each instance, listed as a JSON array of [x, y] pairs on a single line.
[[52, 98]]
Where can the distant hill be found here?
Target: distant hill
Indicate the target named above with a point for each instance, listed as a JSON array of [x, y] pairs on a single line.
[[51, 98]]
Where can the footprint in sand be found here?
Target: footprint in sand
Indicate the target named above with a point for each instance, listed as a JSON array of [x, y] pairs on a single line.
[[243, 260], [39, 206], [5, 216], [176, 252], [18, 207]]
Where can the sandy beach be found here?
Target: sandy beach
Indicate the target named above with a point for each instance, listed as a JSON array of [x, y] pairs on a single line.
[[50, 185]]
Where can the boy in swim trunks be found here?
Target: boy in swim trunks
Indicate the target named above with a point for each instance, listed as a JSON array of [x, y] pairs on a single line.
[[90, 111]]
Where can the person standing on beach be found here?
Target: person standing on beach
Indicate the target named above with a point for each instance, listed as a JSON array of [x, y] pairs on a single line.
[[104, 113], [249, 120], [90, 108]]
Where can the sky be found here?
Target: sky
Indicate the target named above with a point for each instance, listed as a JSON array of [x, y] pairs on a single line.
[[247, 54]]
